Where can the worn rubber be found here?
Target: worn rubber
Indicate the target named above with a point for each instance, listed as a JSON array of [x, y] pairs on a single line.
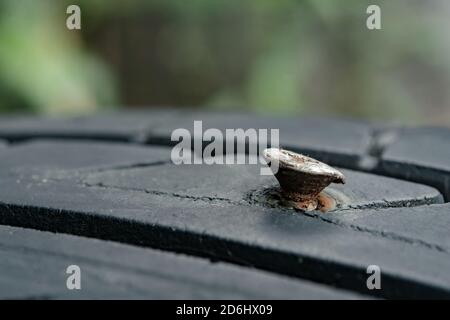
[[111, 178]]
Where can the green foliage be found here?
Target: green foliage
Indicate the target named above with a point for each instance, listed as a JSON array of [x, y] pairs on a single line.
[[284, 56], [45, 65]]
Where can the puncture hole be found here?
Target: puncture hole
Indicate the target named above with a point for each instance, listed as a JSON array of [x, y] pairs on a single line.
[[272, 197]]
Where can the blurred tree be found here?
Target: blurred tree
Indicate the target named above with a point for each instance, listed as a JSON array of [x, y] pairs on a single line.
[[285, 56]]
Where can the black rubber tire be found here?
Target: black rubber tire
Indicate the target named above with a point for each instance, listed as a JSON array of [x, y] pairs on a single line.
[[101, 193]]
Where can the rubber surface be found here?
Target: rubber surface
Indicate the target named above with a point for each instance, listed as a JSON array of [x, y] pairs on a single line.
[[111, 178]]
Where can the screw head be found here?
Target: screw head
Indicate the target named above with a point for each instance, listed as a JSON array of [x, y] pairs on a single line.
[[302, 178]]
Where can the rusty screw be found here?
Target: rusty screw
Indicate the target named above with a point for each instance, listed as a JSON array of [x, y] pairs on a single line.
[[301, 178]]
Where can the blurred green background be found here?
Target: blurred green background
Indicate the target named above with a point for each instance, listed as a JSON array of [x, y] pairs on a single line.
[[279, 57]]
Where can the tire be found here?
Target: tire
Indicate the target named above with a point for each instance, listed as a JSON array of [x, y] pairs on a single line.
[[102, 193]]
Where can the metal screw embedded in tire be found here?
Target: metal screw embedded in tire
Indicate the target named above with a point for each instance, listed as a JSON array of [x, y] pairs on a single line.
[[302, 178]]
